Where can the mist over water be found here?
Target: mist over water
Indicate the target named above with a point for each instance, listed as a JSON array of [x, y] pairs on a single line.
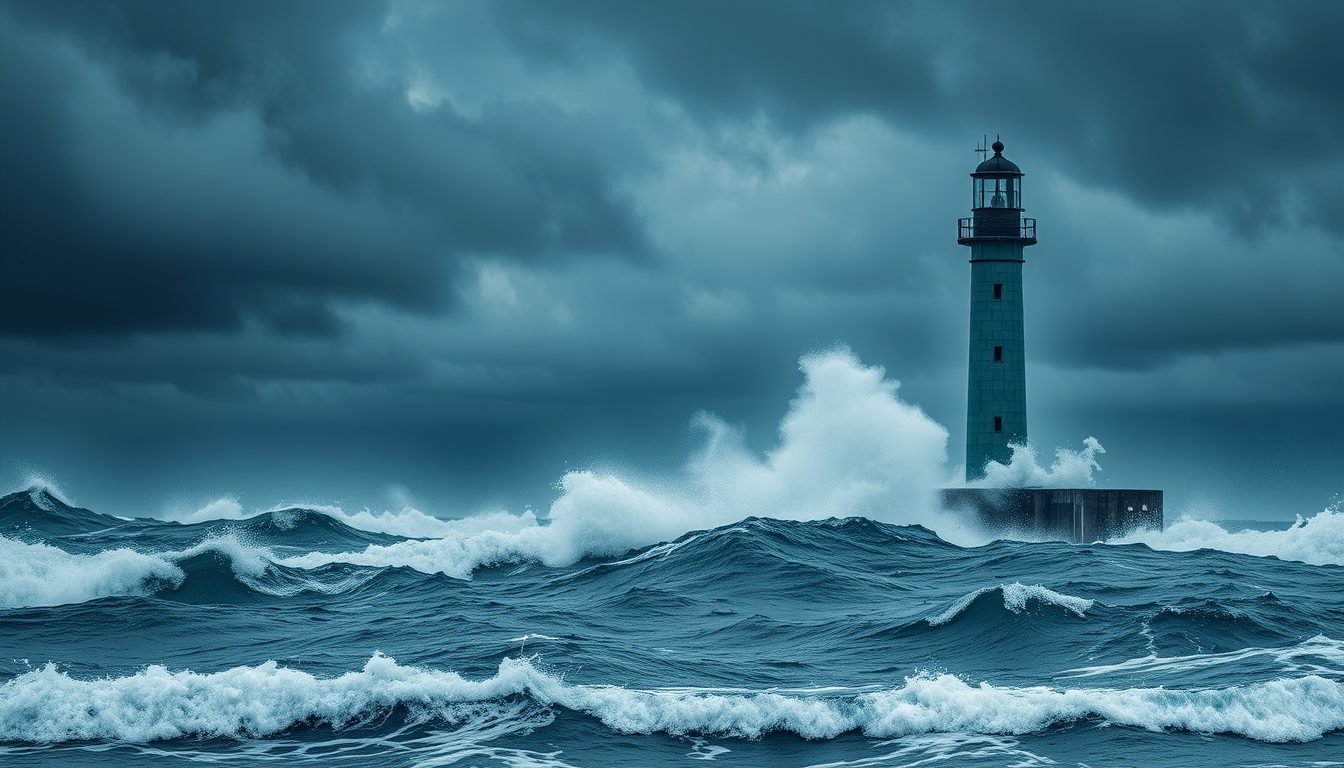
[[722, 611]]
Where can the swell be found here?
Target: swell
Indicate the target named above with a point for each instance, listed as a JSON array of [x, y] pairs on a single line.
[[37, 514], [48, 706]]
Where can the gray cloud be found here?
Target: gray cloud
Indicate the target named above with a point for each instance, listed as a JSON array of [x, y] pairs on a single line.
[[452, 247], [1226, 106], [201, 173]]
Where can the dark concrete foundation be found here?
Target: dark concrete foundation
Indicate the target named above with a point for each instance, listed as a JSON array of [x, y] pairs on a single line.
[[1080, 515]]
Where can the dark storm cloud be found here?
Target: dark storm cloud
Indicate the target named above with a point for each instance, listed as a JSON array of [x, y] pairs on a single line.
[[425, 243], [169, 166], [1222, 105]]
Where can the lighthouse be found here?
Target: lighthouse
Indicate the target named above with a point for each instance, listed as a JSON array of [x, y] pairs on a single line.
[[997, 233], [996, 385]]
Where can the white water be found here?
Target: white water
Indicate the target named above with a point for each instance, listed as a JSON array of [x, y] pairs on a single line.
[[407, 523], [1318, 540], [849, 446], [39, 574], [46, 705], [34, 575], [1071, 469], [1015, 597]]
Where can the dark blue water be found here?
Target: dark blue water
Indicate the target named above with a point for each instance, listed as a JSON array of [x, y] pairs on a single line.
[[295, 636]]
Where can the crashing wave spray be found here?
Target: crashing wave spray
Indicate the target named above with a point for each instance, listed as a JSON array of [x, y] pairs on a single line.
[[849, 446], [1071, 469]]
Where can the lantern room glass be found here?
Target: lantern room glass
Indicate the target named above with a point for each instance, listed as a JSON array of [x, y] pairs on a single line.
[[997, 193]]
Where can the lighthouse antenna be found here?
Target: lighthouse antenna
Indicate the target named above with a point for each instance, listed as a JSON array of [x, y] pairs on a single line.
[[983, 148]]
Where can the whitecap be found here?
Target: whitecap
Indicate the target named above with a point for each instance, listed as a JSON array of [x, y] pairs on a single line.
[[1318, 540], [1015, 597], [47, 705], [34, 575]]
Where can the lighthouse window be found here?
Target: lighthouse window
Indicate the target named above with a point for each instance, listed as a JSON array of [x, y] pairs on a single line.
[[997, 193], [998, 290], [998, 354], [998, 423]]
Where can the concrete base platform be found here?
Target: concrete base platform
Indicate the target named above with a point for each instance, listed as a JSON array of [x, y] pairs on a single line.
[[1079, 515]]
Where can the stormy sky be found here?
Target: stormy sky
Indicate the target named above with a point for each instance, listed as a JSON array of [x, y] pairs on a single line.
[[437, 254]]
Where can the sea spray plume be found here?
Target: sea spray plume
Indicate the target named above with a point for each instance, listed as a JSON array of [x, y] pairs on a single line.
[[848, 446], [1071, 469]]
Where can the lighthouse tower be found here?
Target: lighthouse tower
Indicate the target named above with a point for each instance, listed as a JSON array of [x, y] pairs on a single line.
[[996, 407], [996, 395]]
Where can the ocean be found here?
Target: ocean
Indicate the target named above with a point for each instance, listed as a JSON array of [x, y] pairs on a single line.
[[836, 642], [808, 607]]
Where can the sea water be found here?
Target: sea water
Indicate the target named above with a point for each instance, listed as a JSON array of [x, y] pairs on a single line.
[[807, 607]]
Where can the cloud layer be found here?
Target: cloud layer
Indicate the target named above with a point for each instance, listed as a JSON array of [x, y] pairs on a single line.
[[296, 249]]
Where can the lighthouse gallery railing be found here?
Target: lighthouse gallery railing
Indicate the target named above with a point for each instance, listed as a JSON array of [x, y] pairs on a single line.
[[1025, 229]]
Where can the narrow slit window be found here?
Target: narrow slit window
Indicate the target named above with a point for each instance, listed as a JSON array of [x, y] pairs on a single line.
[[998, 354], [998, 291], [998, 423]]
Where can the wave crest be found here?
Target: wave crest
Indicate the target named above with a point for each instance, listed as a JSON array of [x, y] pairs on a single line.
[[34, 575], [1015, 597], [46, 705]]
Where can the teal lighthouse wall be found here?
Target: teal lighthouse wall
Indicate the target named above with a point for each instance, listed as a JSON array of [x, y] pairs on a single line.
[[996, 403]]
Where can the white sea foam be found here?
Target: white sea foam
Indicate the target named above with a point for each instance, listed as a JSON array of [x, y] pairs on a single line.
[[1071, 469], [252, 567], [246, 561], [849, 446], [41, 575], [412, 523], [1318, 540], [1015, 597], [46, 705]]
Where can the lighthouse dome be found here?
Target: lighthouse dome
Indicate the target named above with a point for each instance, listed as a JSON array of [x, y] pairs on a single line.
[[998, 163]]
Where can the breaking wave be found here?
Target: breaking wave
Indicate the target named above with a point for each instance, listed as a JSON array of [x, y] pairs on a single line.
[[1318, 540], [42, 575], [849, 446], [1015, 598], [37, 575], [46, 705]]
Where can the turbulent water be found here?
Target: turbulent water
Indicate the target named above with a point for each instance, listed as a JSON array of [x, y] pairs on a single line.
[[796, 609], [764, 642]]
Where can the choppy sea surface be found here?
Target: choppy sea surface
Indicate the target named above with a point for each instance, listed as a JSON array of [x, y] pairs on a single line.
[[297, 636]]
